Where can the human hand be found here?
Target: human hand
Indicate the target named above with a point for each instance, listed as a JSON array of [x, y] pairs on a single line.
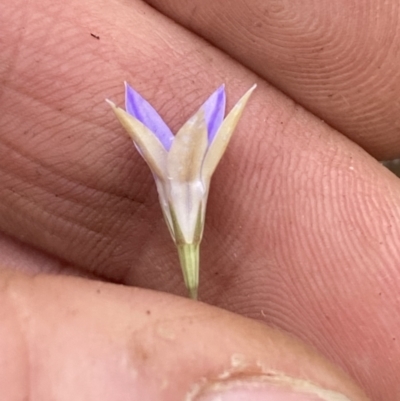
[[302, 229]]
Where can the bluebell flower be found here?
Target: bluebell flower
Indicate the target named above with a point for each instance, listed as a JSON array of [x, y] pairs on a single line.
[[182, 165]]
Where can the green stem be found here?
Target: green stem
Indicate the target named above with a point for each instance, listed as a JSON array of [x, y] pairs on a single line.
[[189, 258]]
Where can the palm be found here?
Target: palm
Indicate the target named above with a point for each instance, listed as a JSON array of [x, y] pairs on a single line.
[[302, 226]]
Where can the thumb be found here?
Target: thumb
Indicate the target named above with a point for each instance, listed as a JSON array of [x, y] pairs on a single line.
[[66, 338]]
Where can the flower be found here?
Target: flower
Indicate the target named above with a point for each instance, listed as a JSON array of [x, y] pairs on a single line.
[[182, 165]]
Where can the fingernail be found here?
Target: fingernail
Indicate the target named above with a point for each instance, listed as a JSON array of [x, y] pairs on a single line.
[[260, 389]]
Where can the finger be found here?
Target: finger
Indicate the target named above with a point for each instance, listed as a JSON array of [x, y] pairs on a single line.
[[21, 257], [63, 338], [310, 250], [338, 59]]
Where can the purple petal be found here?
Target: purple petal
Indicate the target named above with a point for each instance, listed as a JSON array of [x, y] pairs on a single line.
[[141, 109], [214, 110]]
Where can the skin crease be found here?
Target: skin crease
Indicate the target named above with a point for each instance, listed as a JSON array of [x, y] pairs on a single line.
[[339, 59], [313, 251]]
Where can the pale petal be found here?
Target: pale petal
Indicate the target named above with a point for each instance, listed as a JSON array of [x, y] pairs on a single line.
[[165, 206], [186, 205], [218, 145], [142, 110], [150, 147], [188, 149]]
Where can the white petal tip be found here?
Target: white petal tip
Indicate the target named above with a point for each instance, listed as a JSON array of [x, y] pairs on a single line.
[[250, 91], [112, 104]]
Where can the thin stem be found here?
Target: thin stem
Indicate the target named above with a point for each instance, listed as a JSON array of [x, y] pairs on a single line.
[[189, 258]]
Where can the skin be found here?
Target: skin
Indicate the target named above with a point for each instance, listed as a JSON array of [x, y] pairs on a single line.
[[338, 59], [313, 251]]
